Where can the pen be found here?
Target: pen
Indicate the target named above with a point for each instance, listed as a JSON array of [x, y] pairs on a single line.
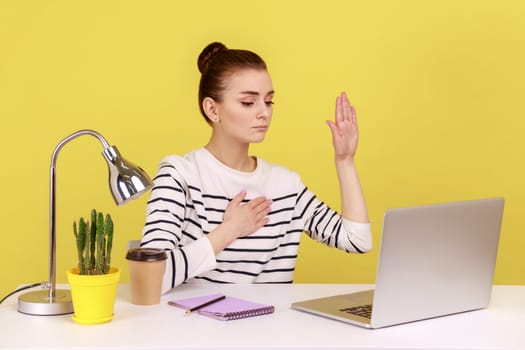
[[205, 304]]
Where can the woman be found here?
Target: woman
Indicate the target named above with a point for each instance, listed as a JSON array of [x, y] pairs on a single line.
[[227, 217]]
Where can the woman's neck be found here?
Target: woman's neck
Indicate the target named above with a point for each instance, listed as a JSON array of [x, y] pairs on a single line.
[[233, 156]]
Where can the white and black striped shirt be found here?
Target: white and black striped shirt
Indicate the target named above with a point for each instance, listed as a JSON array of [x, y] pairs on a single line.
[[188, 201]]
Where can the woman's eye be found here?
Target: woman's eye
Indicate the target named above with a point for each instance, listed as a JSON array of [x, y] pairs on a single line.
[[269, 103], [247, 104]]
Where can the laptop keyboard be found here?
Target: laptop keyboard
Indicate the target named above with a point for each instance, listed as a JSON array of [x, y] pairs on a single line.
[[361, 310]]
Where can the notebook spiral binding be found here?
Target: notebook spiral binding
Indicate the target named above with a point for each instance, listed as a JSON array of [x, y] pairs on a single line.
[[249, 313]]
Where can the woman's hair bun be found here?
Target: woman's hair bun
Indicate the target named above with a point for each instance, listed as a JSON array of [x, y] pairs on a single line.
[[208, 53]]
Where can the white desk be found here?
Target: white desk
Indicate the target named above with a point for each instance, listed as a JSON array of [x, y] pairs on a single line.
[[501, 326]]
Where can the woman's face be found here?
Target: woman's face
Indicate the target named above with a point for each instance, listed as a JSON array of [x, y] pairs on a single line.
[[245, 111]]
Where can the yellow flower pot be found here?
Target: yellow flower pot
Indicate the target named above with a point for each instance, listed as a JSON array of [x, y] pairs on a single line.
[[93, 295]]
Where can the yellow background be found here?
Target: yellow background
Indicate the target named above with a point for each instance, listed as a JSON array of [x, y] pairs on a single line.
[[438, 86]]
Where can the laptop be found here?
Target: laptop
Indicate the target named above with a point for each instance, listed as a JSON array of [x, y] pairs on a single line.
[[434, 260]]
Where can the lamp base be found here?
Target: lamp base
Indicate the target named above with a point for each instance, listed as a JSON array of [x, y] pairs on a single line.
[[38, 303]]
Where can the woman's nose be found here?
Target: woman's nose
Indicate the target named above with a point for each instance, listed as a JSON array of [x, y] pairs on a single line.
[[265, 111]]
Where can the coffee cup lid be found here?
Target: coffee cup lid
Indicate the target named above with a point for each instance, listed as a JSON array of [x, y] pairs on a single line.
[[146, 254]]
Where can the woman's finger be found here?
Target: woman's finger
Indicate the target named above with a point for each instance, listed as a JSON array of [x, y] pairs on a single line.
[[347, 108], [354, 116], [339, 117], [237, 199], [262, 207]]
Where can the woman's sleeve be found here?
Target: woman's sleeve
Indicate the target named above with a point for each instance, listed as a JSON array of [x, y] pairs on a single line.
[[329, 227], [164, 227]]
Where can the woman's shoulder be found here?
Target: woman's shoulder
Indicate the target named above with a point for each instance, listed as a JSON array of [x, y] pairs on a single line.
[[181, 163]]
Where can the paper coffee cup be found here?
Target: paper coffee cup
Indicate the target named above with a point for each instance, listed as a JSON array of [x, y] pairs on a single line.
[[146, 271]]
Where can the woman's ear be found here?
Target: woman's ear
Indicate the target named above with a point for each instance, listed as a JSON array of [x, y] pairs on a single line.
[[210, 109]]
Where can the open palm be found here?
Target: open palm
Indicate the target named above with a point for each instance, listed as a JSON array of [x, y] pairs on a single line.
[[345, 134]]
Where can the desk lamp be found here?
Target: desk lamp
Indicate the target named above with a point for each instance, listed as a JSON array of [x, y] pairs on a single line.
[[126, 181]]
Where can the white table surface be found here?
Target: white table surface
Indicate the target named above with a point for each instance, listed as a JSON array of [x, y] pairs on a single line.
[[501, 326]]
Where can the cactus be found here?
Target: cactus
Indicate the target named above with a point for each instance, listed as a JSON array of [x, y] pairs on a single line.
[[94, 241], [92, 237], [108, 227]]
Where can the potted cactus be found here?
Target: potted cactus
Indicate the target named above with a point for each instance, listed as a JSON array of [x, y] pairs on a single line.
[[94, 281], [94, 243]]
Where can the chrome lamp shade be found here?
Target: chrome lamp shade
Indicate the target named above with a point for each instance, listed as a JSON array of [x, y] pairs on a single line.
[[126, 181]]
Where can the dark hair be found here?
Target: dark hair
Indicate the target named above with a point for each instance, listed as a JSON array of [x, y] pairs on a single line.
[[216, 63]]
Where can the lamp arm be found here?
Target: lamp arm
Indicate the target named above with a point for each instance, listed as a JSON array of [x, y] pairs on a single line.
[[52, 200]]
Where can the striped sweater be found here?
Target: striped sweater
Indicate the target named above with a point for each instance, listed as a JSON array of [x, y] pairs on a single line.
[[188, 201]]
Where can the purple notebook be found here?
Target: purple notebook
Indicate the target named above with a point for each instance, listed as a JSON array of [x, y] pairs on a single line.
[[229, 308]]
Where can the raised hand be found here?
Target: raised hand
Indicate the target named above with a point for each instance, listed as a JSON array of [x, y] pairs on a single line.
[[345, 134]]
